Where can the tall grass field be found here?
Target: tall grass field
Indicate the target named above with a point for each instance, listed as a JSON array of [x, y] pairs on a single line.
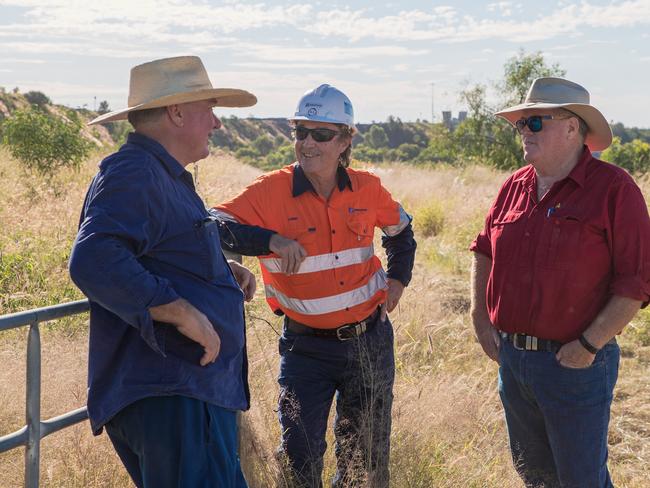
[[448, 428]]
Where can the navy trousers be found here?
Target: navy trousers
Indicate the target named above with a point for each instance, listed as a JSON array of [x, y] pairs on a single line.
[[558, 417], [177, 442], [360, 372]]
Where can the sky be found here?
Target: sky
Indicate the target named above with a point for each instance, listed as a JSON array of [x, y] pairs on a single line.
[[401, 58]]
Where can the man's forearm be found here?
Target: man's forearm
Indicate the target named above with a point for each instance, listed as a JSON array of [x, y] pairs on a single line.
[[248, 240], [481, 266], [611, 320], [486, 334], [400, 254], [172, 313]]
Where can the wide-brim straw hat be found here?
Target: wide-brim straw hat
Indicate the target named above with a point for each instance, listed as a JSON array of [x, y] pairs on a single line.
[[170, 81], [550, 93]]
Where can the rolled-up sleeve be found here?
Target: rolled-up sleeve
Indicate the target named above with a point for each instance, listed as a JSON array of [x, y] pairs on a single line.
[[118, 226], [630, 242], [482, 244]]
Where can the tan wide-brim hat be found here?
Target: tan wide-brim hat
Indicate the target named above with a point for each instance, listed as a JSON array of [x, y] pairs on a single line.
[[170, 81], [549, 93]]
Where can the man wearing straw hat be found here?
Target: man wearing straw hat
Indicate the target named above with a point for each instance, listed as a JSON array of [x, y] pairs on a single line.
[[561, 266], [167, 361]]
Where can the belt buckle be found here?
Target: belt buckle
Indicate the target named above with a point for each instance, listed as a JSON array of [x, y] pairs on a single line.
[[530, 343], [515, 342], [356, 330]]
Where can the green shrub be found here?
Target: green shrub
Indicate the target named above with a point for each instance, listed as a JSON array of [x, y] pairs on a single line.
[[430, 220], [37, 98], [44, 143], [633, 156], [280, 157], [247, 152], [263, 145]]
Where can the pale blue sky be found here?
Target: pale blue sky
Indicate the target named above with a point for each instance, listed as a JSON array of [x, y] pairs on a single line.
[[383, 55]]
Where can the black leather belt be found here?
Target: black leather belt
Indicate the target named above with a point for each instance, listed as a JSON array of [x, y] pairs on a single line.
[[524, 342], [342, 333]]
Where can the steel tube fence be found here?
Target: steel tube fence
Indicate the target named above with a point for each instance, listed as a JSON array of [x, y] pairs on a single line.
[[31, 434]]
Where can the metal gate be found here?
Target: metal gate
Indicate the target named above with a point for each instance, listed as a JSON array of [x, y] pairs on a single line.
[[35, 429]]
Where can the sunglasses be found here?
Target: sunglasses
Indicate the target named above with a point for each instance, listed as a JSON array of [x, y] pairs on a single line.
[[534, 122], [319, 134]]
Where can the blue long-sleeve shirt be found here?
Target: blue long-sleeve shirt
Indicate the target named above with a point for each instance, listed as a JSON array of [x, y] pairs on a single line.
[[144, 240]]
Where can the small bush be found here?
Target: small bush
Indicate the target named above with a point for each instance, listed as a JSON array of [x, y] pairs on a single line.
[[44, 143], [282, 156], [633, 156], [430, 220], [37, 98]]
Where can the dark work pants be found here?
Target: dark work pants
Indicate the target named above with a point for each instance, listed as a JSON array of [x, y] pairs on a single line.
[[558, 417], [360, 372], [178, 442]]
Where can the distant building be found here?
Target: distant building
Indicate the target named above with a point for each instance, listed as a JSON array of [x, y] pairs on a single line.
[[451, 122]]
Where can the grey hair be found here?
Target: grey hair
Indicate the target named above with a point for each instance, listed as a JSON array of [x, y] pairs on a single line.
[[583, 128], [141, 117]]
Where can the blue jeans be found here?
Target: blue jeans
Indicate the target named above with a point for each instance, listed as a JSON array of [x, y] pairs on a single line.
[[558, 417], [177, 442], [360, 372]]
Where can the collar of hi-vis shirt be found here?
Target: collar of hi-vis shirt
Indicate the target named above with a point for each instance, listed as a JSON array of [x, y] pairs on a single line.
[[301, 184], [174, 168], [578, 174]]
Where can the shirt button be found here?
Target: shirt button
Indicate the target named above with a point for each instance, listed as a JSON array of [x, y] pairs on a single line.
[[333, 231], [527, 234], [341, 283]]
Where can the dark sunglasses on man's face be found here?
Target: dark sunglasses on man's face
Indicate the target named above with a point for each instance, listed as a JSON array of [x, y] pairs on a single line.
[[319, 134], [534, 122]]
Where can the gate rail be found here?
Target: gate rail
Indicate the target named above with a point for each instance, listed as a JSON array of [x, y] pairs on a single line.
[[31, 434]]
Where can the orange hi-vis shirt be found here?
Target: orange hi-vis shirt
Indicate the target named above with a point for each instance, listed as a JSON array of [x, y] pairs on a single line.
[[341, 280]]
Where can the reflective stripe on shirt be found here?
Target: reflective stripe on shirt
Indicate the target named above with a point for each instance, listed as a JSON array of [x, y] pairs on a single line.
[[333, 303], [404, 220], [323, 262], [221, 215]]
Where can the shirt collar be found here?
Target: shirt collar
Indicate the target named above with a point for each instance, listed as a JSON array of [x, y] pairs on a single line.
[[579, 171], [154, 147], [577, 174], [301, 184]]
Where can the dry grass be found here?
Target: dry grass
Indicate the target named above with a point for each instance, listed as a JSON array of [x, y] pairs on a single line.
[[447, 421]]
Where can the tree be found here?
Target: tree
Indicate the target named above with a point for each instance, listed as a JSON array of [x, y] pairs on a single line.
[[633, 156], [519, 73], [484, 138], [376, 137], [103, 107], [37, 98], [44, 143], [263, 145]]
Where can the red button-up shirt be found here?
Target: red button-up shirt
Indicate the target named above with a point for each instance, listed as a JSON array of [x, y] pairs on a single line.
[[557, 262]]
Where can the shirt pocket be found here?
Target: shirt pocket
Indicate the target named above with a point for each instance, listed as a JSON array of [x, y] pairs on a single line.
[[304, 233], [506, 234], [563, 240], [362, 227], [214, 266], [193, 247]]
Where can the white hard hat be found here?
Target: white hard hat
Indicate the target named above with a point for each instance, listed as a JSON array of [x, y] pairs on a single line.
[[325, 104]]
